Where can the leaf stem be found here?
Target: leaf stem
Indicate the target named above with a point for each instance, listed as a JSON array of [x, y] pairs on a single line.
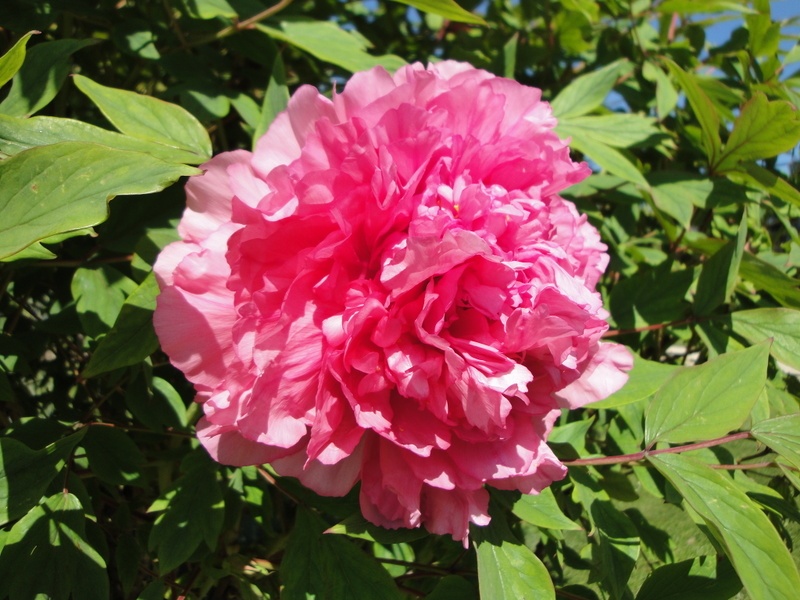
[[638, 456]]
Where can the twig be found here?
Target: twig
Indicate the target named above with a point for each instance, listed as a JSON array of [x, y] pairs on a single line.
[[616, 332], [638, 456], [242, 25]]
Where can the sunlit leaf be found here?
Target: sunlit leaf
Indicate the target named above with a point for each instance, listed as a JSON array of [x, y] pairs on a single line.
[[12, 60], [63, 187], [508, 569], [781, 325], [644, 380], [99, 294], [709, 400], [703, 109], [148, 118], [328, 42], [45, 68], [688, 7], [782, 435], [719, 273], [47, 555], [758, 554], [25, 473], [131, 339], [763, 129], [587, 92], [615, 130], [542, 510], [445, 8], [759, 177], [608, 158], [18, 134]]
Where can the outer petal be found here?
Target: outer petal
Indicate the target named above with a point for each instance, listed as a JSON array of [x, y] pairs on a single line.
[[451, 511], [208, 197], [227, 446], [606, 372]]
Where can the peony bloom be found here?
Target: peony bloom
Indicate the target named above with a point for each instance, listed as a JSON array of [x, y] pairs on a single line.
[[390, 291]]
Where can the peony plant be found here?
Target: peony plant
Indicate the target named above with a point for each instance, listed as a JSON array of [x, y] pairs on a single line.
[[390, 291]]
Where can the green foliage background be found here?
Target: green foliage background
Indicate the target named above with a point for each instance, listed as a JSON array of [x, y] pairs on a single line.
[[683, 485]]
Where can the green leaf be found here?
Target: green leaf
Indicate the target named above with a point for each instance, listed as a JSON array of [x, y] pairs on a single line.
[[12, 60], [445, 8], [173, 399], [761, 560], [148, 118], [127, 556], [113, 456], [709, 400], [666, 94], [782, 435], [688, 7], [47, 555], [356, 526], [193, 511], [41, 76], [248, 109], [510, 49], [764, 35], [542, 510], [675, 198], [136, 37], [644, 380], [759, 177], [64, 187], [699, 579], [703, 109], [453, 587], [276, 97], [608, 158], [770, 279], [329, 567], [99, 294], [330, 43], [572, 434], [651, 296], [209, 9], [763, 129], [587, 92], [20, 134], [615, 130], [152, 409], [617, 546], [132, 338], [38, 252], [719, 273], [508, 570], [25, 473], [782, 325]]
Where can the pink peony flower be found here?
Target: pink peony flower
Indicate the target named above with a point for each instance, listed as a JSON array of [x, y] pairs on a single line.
[[390, 290]]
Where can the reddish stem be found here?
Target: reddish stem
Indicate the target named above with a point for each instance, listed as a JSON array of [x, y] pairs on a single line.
[[637, 456]]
